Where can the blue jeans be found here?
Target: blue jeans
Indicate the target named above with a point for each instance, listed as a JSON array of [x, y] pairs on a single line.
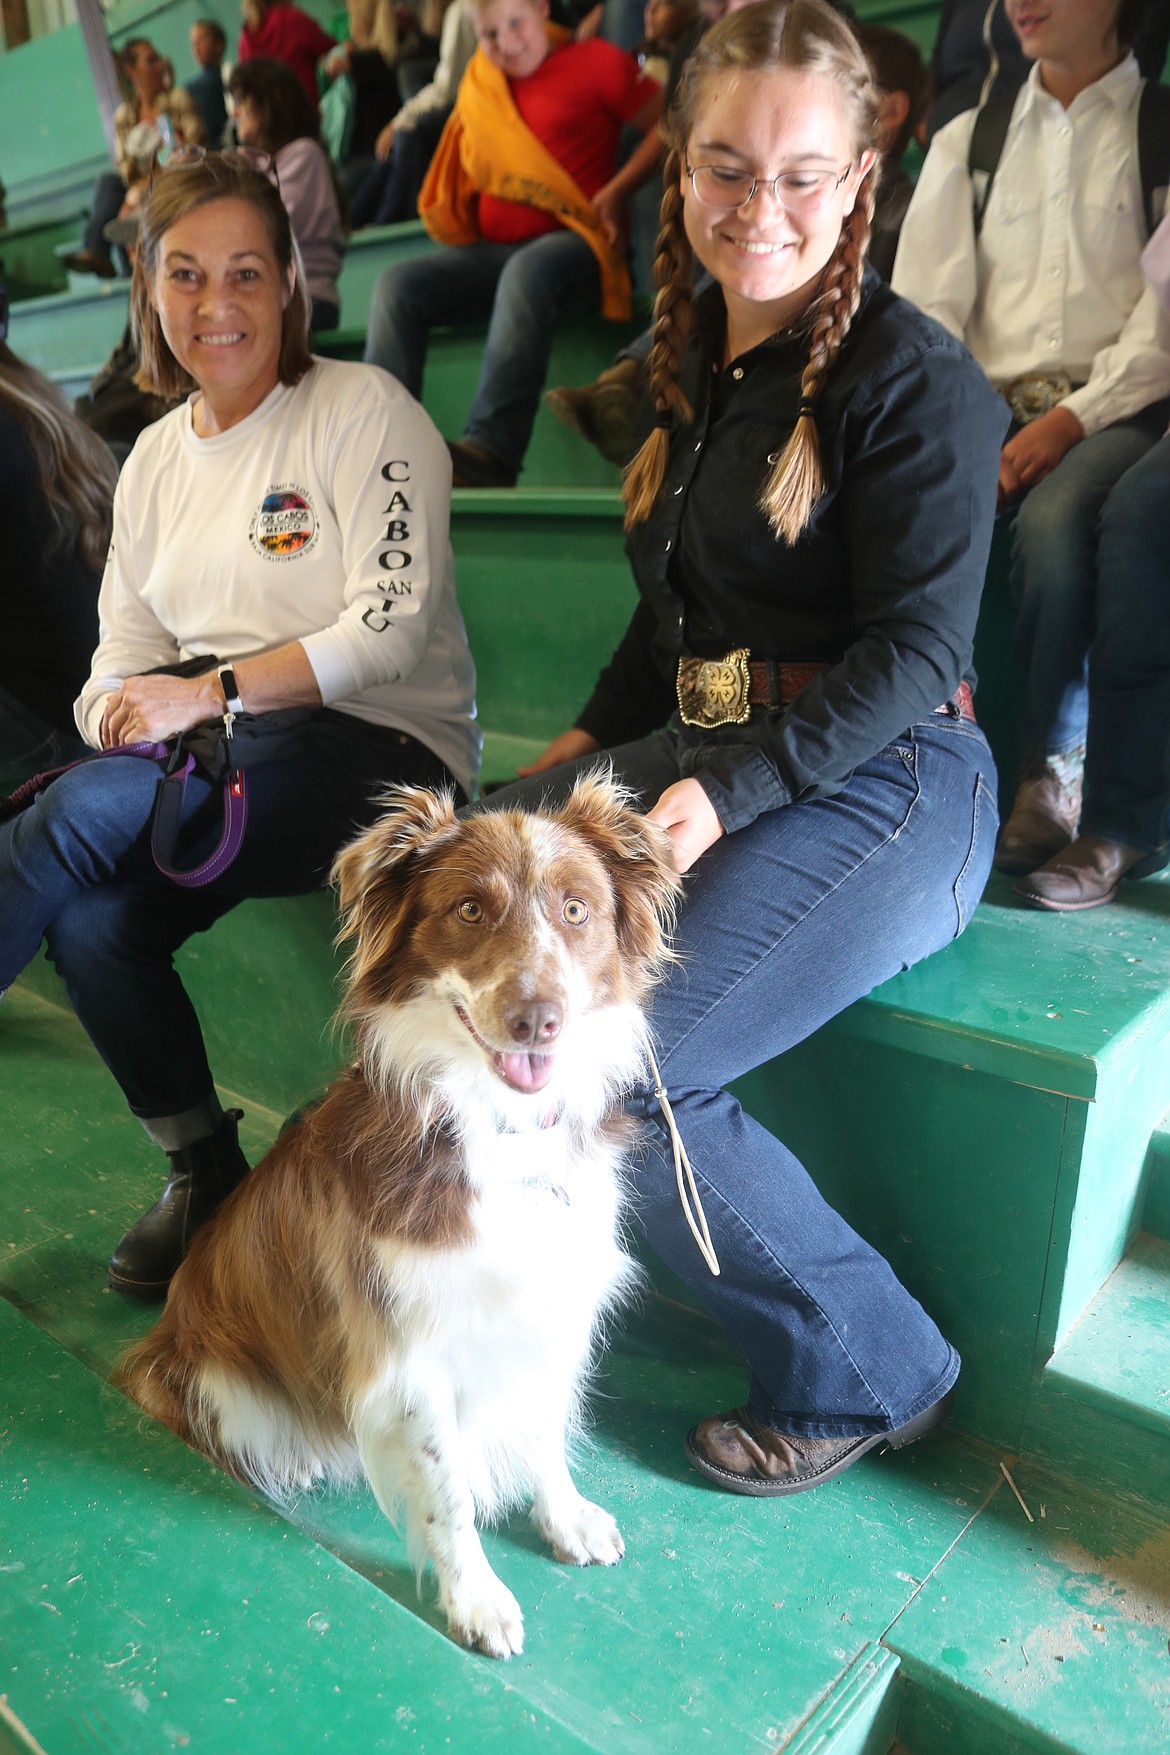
[[76, 871], [521, 288], [1091, 577], [29, 744], [785, 923]]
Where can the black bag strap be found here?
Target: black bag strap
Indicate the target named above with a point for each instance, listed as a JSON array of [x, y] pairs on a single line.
[[993, 119], [1154, 149]]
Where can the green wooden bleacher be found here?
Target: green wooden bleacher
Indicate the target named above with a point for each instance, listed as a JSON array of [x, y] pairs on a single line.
[[993, 1119]]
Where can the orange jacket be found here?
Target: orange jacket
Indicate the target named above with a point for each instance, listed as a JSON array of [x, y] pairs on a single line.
[[488, 147]]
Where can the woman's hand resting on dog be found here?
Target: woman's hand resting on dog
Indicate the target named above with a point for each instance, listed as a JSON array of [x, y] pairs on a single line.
[[689, 818]]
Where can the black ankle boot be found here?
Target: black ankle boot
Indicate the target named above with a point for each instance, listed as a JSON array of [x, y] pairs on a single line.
[[201, 1176]]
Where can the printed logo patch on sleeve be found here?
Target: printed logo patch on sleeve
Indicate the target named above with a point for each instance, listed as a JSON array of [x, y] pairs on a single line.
[[285, 524]]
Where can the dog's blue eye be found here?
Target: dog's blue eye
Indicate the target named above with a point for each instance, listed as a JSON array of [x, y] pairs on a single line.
[[471, 912], [574, 912]]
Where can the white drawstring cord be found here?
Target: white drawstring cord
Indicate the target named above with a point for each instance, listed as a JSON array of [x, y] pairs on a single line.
[[684, 1175]]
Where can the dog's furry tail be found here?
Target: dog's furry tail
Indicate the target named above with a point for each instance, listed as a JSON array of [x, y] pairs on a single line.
[[149, 1374]]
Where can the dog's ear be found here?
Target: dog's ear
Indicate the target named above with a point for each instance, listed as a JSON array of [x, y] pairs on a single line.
[[370, 872], [638, 856]]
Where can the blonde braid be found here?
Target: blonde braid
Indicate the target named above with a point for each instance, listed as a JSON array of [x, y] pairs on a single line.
[[673, 263], [797, 481]]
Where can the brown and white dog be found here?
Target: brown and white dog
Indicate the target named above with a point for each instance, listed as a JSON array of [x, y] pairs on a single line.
[[411, 1282]]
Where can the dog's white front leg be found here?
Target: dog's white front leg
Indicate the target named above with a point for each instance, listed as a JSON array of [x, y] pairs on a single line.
[[578, 1532], [415, 1461]]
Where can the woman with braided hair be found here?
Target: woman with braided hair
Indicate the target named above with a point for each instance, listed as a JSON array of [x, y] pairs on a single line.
[[808, 519]]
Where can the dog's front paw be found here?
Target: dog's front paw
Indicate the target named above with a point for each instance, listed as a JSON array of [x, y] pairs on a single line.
[[486, 1617], [584, 1535]]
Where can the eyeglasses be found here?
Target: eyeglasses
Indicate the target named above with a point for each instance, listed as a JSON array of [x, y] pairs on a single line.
[[795, 191], [182, 158]]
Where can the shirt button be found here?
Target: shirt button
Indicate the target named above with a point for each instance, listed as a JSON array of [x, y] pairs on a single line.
[[668, 545], [699, 446], [737, 374], [678, 490]]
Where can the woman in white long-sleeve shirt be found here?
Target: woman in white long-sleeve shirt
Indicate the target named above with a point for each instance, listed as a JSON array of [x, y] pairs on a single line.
[[1049, 286], [291, 518]]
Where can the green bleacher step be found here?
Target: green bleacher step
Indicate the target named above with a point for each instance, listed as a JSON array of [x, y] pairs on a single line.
[[1102, 1407], [150, 1603], [1037, 1637], [1156, 1210]]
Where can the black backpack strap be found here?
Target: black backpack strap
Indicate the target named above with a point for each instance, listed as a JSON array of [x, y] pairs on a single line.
[[992, 121], [1153, 132]]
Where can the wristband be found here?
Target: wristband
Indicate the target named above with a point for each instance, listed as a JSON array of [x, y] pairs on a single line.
[[231, 689]]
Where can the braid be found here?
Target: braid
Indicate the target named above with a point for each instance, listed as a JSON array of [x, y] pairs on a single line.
[[797, 482], [673, 263]]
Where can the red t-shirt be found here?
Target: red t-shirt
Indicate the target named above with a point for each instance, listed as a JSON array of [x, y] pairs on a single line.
[[575, 103], [289, 35]]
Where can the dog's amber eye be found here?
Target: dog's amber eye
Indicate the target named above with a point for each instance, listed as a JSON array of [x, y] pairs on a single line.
[[470, 911], [575, 912]]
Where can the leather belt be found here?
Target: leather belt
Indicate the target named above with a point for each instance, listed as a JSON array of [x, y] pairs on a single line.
[[722, 691]]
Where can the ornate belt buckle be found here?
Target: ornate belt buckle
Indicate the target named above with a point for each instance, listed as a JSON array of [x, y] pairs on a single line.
[[1035, 393], [714, 691]]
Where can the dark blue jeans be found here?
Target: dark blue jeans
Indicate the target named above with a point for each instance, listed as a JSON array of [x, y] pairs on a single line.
[[785, 923], [1091, 577], [76, 871], [521, 288]]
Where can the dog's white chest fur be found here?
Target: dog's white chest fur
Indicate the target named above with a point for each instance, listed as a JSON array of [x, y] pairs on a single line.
[[544, 1262]]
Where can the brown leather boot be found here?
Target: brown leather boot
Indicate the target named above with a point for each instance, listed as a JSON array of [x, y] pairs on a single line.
[[1043, 820], [602, 412], [738, 1453], [1084, 875]]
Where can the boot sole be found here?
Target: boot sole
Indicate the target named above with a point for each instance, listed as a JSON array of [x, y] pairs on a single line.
[[759, 1487]]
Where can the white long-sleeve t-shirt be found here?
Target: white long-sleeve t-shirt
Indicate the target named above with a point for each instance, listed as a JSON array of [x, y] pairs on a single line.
[[323, 517], [1053, 282]]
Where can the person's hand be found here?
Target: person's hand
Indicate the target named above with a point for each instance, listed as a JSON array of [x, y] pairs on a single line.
[[690, 819], [147, 709], [337, 61], [384, 141], [1035, 451], [569, 746], [610, 209], [590, 24]]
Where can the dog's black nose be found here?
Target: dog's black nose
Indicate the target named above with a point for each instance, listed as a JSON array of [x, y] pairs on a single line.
[[535, 1022]]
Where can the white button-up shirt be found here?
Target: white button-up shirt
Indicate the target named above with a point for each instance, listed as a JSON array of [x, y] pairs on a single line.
[[1053, 282]]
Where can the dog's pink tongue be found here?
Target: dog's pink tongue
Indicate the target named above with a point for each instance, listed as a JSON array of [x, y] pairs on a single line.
[[527, 1072]]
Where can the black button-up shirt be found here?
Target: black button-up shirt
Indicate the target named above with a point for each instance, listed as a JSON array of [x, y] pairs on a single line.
[[883, 586]]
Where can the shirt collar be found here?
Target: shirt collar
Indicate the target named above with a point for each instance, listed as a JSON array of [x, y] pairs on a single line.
[[710, 321], [1115, 87]]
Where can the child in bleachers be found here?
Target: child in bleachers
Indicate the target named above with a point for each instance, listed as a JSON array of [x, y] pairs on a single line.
[[272, 115], [524, 197], [664, 24], [152, 115], [1046, 288], [208, 46], [402, 152]]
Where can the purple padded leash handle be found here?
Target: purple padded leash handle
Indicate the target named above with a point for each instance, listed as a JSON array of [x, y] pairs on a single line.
[[168, 813], [168, 809]]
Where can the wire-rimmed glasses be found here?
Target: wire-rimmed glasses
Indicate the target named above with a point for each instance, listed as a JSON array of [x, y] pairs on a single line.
[[796, 191]]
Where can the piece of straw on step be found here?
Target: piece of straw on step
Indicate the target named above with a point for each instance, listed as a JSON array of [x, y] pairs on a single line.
[[1006, 1473]]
